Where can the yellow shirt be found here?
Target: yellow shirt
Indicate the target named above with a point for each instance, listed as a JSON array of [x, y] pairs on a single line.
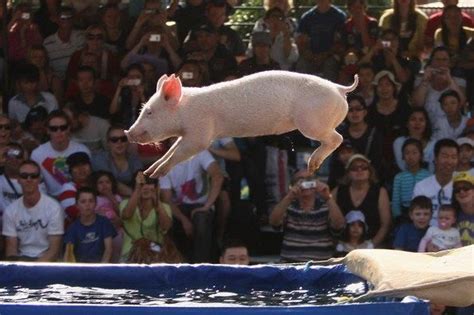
[[453, 43]]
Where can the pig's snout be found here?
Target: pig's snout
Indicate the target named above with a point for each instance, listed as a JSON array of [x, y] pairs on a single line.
[[136, 136]]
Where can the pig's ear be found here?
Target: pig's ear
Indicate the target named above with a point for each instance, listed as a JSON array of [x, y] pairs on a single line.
[[160, 82], [172, 90]]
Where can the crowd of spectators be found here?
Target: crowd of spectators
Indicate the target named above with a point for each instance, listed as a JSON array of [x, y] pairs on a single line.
[[72, 187]]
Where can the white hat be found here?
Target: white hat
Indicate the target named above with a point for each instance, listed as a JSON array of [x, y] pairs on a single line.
[[354, 216], [465, 140]]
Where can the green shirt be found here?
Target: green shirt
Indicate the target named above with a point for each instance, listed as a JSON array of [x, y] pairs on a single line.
[[137, 227]]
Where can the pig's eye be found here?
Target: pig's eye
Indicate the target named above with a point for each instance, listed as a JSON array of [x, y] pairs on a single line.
[[148, 112]]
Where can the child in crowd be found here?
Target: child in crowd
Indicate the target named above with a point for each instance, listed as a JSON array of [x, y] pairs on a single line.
[[405, 181], [355, 234], [453, 124], [409, 235], [90, 236], [445, 235]]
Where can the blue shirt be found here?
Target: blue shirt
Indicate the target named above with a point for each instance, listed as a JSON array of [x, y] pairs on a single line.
[[408, 237], [88, 240], [322, 28]]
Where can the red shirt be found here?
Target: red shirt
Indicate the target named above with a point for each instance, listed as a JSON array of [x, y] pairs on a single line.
[[434, 22]]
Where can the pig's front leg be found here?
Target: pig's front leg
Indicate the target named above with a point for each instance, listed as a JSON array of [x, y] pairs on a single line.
[[182, 151]]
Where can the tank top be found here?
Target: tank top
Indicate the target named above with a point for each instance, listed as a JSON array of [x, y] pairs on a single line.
[[369, 206]]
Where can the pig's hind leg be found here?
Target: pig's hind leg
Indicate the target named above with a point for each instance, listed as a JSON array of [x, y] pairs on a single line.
[[329, 142]]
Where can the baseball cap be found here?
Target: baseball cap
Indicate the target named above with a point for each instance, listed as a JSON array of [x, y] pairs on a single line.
[[37, 113], [465, 140], [78, 158], [355, 216], [356, 156], [463, 177]]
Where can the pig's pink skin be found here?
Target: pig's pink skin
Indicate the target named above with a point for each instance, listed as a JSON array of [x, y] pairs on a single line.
[[265, 103]]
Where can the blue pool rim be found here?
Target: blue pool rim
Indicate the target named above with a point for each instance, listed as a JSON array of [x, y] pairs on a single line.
[[185, 276]]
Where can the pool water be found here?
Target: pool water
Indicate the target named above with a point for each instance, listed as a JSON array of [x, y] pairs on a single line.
[[64, 294]]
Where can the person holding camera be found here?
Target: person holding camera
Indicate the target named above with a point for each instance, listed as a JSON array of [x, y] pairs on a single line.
[[308, 214]]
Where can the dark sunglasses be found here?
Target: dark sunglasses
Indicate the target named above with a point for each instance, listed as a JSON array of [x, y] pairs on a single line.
[[356, 109], [358, 168], [5, 127], [29, 175], [117, 139], [13, 154], [58, 128], [458, 189], [95, 36]]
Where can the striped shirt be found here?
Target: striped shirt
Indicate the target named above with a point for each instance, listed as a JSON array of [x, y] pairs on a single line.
[[403, 186], [60, 52], [306, 234]]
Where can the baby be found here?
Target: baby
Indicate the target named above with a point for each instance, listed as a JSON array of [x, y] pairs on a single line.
[[445, 235]]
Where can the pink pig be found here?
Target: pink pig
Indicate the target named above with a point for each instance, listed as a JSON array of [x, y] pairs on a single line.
[[265, 103]]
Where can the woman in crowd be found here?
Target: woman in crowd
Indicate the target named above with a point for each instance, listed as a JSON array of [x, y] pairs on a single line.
[[144, 215], [49, 81], [118, 160], [408, 21], [114, 26], [418, 126], [360, 191], [463, 190]]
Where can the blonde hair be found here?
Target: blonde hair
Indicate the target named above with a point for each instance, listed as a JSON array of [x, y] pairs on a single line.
[[268, 4]]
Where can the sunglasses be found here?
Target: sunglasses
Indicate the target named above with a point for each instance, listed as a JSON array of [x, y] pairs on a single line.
[[95, 36], [358, 168], [117, 139], [58, 128], [5, 127], [29, 175], [356, 109], [458, 189]]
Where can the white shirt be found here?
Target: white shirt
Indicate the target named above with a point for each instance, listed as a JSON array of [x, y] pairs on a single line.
[[18, 108], [430, 188], [32, 226], [94, 135], [443, 239], [442, 129], [8, 195], [53, 164], [188, 179]]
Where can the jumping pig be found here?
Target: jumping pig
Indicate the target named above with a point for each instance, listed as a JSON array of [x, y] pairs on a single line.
[[265, 103]]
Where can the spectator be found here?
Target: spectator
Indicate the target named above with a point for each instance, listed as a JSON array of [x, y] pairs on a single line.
[[434, 22], [388, 114], [409, 234], [454, 122], [5, 137], [22, 33], [360, 30], [10, 189], [308, 214], [62, 44], [79, 166], [283, 47], [129, 95], [118, 160], [185, 188], [261, 58], [49, 81], [318, 31], [452, 34], [365, 88], [151, 17], [29, 95], [187, 16], [108, 202], [52, 155], [220, 61], [405, 181], [439, 187], [234, 252], [466, 155], [35, 131], [89, 99], [114, 26], [144, 215], [463, 189], [194, 73], [40, 238], [435, 80], [91, 235], [87, 129], [408, 21], [355, 233], [108, 62], [443, 236], [361, 191], [418, 127], [385, 55], [47, 17]]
